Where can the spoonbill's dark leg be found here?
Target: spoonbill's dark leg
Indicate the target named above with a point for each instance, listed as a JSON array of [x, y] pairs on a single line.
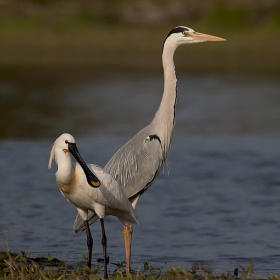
[[104, 244], [89, 243]]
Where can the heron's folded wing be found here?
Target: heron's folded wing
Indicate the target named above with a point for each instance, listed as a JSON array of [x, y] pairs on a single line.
[[137, 163]]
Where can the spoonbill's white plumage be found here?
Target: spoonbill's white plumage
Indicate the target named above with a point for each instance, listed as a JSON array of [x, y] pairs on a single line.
[[89, 188]]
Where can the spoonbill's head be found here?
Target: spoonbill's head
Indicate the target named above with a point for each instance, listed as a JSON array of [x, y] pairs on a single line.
[[65, 143], [184, 35]]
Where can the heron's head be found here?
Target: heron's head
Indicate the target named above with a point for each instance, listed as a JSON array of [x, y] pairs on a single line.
[[65, 144], [184, 35]]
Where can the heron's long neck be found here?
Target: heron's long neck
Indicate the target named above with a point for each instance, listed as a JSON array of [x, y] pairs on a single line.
[[165, 116]]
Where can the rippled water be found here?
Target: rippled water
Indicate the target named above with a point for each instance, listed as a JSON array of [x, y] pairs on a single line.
[[216, 204]]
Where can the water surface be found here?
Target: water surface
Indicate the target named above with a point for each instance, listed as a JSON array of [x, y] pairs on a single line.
[[216, 203]]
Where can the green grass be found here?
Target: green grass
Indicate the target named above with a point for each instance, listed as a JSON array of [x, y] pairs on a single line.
[[20, 266]]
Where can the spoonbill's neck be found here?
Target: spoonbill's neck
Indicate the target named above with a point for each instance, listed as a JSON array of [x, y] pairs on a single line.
[[65, 171]]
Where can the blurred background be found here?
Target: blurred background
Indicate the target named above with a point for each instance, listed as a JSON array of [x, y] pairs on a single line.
[[93, 69], [46, 45]]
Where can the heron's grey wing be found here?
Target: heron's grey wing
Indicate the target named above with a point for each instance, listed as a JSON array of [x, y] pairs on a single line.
[[137, 163]]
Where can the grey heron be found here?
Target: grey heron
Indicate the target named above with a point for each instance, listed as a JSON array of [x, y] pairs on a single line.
[[138, 162], [89, 188]]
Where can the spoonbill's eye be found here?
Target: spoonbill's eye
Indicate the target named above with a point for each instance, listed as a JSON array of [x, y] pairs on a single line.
[[185, 33], [66, 141]]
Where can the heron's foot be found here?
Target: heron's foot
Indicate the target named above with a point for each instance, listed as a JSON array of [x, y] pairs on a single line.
[[102, 260]]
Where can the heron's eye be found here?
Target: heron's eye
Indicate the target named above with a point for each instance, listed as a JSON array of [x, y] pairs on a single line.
[[66, 141], [185, 33]]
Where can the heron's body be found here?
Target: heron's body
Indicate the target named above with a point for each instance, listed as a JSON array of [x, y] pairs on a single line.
[[73, 183], [136, 164]]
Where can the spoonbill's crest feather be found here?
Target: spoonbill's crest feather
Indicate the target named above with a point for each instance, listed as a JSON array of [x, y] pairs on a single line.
[[60, 141], [52, 156]]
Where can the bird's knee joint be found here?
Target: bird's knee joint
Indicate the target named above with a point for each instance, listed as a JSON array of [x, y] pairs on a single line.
[[128, 229]]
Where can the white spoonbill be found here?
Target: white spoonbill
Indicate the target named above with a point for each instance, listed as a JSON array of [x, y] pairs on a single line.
[[89, 188]]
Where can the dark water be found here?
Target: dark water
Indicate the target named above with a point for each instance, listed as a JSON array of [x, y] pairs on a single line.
[[217, 202]]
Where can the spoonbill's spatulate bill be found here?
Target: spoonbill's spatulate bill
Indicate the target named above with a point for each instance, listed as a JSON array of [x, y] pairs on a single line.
[[137, 163], [89, 188]]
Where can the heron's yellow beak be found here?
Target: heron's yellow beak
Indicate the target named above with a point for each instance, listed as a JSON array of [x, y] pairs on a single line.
[[65, 151], [205, 37]]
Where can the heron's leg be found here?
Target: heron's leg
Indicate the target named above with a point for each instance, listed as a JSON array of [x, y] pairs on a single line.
[[104, 244], [127, 234], [89, 243]]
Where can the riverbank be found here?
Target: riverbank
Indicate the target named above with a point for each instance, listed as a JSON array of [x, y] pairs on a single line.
[[13, 265], [122, 47]]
